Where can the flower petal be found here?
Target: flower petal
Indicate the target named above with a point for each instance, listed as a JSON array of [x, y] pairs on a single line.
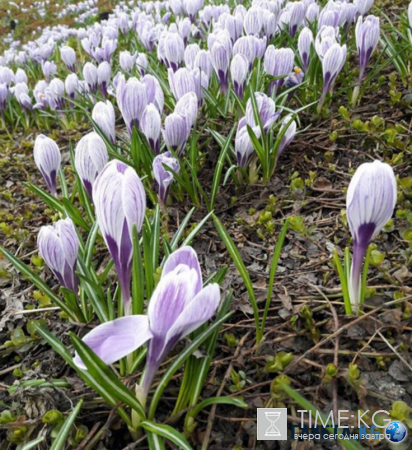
[[187, 256], [113, 340]]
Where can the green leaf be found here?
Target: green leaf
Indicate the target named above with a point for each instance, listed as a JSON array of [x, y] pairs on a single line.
[[95, 384], [307, 405], [219, 166], [32, 444], [100, 371], [237, 259], [74, 214], [51, 201], [217, 401], [179, 361], [60, 442], [155, 441], [167, 432], [38, 282], [138, 275]]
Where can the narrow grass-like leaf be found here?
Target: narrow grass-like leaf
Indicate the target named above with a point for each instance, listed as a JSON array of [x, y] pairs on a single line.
[[51, 201], [237, 259], [365, 275], [167, 432], [273, 267], [61, 440], [74, 214], [100, 371], [217, 401], [61, 350], [179, 361], [33, 444], [343, 282], [138, 275], [155, 441]]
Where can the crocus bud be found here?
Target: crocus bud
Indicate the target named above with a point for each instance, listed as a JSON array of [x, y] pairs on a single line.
[[120, 203], [253, 20], [4, 93], [289, 135], [267, 111], [103, 115], [68, 56], [239, 69], [305, 42], [47, 158], [246, 46], [132, 101], [104, 73], [154, 92], [192, 7], [72, 85], [20, 76], [204, 63], [187, 106], [367, 38], [49, 69], [332, 64], [370, 201], [363, 6], [184, 27], [59, 245], [163, 177], [181, 82], [90, 76], [220, 55], [297, 14], [127, 61], [142, 63], [176, 133], [410, 15], [151, 127], [90, 158], [190, 54], [174, 49]]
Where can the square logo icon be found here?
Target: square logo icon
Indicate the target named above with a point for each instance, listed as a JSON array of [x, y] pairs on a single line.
[[272, 424]]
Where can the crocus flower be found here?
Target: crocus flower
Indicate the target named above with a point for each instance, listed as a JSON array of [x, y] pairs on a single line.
[[127, 60], [187, 106], [20, 76], [59, 245], [410, 15], [297, 14], [176, 132], [239, 69], [305, 42], [132, 101], [204, 63], [289, 135], [120, 203], [90, 158], [68, 56], [151, 127], [163, 177], [370, 201], [4, 93], [179, 305], [184, 27], [190, 54], [181, 82], [363, 6], [49, 69], [71, 85], [174, 49], [367, 38], [154, 92], [142, 63], [267, 111], [253, 20], [246, 46], [103, 115], [104, 73], [192, 7], [278, 62], [47, 158], [332, 64], [220, 56], [90, 76]]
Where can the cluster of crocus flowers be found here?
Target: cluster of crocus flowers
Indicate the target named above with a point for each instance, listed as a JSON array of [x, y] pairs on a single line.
[[59, 245], [370, 201], [179, 305]]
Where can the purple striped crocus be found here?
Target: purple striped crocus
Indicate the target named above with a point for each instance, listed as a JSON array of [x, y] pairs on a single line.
[[47, 158], [332, 63], [120, 203], [151, 127], [410, 15], [68, 56], [104, 73], [243, 143], [220, 54], [239, 69], [174, 49], [278, 62], [179, 305], [104, 117], [90, 76], [267, 111], [289, 134], [71, 85], [187, 106], [370, 201], [163, 177], [90, 158], [305, 43], [367, 37], [176, 133], [132, 101], [59, 245]]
